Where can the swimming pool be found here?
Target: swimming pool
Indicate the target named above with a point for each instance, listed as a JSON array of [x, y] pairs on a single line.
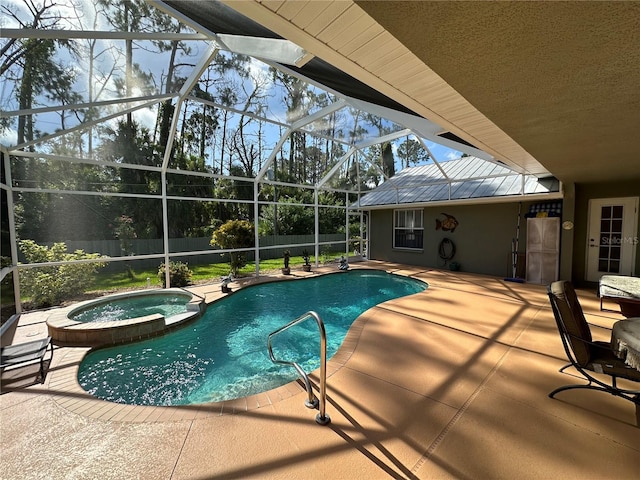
[[223, 355]]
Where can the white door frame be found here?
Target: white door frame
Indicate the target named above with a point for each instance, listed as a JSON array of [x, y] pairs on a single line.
[[629, 238]]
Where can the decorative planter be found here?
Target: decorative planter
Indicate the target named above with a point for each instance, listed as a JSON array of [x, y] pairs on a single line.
[[286, 271], [306, 268]]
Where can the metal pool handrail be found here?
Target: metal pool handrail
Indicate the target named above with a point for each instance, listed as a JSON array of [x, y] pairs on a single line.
[[312, 402]]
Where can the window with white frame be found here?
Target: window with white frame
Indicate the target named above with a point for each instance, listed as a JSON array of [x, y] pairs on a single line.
[[408, 229]]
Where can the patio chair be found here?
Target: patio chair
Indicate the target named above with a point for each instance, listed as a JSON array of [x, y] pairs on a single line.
[[585, 354], [27, 353]]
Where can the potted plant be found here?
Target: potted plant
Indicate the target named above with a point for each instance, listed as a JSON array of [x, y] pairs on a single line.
[[305, 256], [225, 281], [286, 270]]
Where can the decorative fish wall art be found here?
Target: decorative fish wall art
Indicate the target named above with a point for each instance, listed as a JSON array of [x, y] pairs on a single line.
[[449, 224]]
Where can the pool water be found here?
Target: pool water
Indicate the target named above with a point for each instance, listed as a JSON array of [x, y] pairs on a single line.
[[223, 355], [166, 304]]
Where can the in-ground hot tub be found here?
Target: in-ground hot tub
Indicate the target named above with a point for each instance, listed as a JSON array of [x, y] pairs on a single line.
[[123, 317]]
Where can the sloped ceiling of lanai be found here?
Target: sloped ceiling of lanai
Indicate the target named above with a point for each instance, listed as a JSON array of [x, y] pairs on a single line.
[[542, 86], [560, 78]]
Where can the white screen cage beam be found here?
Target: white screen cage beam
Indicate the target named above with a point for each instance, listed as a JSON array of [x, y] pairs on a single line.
[[268, 49], [57, 34], [186, 88], [83, 126], [79, 106], [272, 49]]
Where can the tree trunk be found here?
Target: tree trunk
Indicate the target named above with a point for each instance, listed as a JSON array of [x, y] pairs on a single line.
[[25, 123]]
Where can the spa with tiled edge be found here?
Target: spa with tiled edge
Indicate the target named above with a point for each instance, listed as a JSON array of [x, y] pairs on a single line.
[[65, 327]]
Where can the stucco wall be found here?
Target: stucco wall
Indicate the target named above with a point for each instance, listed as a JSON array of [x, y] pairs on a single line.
[[585, 192], [482, 238]]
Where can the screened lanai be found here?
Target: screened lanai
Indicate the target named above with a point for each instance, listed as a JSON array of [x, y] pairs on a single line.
[[133, 132]]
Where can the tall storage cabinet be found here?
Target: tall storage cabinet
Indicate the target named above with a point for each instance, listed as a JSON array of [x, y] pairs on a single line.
[[543, 249]]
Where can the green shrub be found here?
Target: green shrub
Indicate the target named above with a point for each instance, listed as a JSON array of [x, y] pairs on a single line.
[[50, 285], [234, 234], [179, 274]]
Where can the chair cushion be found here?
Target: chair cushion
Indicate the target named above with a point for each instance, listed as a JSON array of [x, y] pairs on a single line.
[[619, 286]]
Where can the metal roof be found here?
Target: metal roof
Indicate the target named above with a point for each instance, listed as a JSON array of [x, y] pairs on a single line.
[[465, 178]]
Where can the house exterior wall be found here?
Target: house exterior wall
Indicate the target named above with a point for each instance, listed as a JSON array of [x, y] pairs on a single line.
[[584, 193], [482, 238]]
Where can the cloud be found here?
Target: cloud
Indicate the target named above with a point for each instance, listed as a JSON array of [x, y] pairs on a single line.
[[19, 8], [146, 117], [259, 73], [9, 137]]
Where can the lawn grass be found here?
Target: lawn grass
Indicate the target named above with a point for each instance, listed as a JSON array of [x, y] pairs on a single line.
[[200, 274], [110, 282]]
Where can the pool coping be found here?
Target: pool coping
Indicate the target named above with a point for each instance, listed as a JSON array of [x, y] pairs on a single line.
[[62, 381]]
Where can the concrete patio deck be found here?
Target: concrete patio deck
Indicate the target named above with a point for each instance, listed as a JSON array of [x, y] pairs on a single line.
[[448, 383]]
